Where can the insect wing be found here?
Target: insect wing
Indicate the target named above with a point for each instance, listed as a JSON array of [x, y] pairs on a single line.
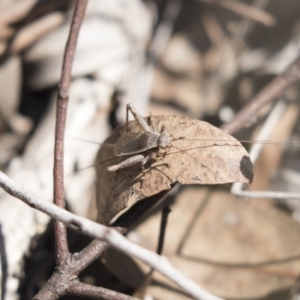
[[129, 144]]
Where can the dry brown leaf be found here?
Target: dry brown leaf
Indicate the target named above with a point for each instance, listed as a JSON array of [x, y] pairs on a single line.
[[230, 247], [205, 155]]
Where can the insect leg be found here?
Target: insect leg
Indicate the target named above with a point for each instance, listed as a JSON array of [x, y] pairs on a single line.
[[145, 160], [127, 163], [137, 117]]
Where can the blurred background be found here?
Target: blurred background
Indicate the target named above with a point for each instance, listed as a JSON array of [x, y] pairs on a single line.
[[204, 59]]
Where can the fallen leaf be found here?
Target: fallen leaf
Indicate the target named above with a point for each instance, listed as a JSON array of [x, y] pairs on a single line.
[[200, 154], [230, 247]]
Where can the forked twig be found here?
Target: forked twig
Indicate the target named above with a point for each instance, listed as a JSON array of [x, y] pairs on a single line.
[[66, 277], [109, 235], [61, 243]]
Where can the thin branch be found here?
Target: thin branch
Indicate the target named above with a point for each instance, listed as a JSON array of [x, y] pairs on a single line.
[[79, 261], [270, 93], [108, 235], [122, 225], [239, 192], [96, 292], [245, 10], [62, 251]]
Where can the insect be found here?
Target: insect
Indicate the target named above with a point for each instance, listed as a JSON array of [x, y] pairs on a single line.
[[138, 144]]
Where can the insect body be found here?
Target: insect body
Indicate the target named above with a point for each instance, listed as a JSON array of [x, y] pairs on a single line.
[[139, 143]]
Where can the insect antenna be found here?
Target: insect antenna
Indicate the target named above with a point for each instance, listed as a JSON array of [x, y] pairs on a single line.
[[230, 141], [185, 151], [264, 142], [93, 142], [91, 166]]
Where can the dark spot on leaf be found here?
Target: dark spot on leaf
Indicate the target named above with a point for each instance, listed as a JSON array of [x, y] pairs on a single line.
[[247, 168]]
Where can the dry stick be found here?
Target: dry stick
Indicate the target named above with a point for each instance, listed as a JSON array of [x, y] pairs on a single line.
[[109, 235], [122, 225], [245, 10], [268, 94], [61, 245], [79, 261], [79, 288]]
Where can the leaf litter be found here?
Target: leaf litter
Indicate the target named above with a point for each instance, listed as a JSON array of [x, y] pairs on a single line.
[[199, 154]]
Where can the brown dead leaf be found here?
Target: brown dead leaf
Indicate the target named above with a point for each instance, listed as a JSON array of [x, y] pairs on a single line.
[[230, 247], [203, 155]]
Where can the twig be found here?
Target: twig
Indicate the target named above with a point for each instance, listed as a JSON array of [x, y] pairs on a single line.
[[122, 225], [79, 261], [245, 10], [264, 194], [108, 235], [61, 244], [96, 292], [270, 93], [30, 33]]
